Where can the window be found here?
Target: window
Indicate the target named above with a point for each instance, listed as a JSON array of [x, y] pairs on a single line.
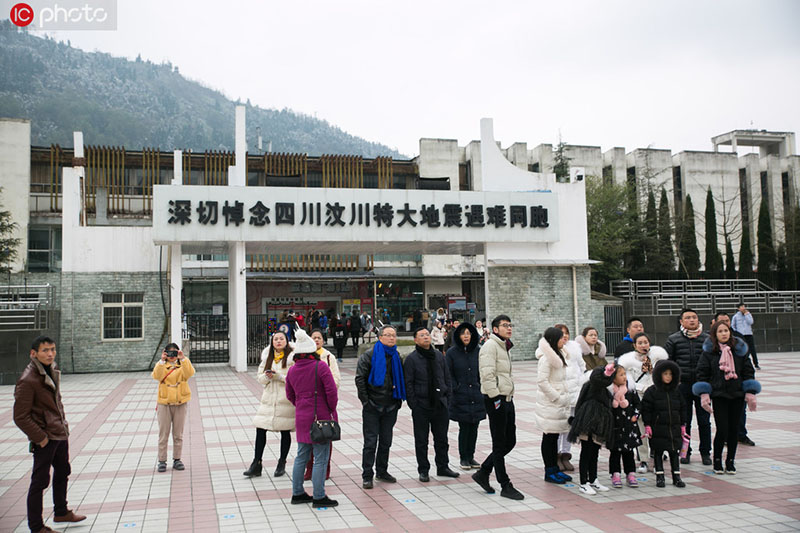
[[122, 315], [44, 249]]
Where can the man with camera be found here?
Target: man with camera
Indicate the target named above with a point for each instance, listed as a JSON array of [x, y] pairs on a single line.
[[39, 413], [172, 373]]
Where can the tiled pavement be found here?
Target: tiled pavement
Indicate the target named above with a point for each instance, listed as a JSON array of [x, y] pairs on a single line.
[[114, 481]]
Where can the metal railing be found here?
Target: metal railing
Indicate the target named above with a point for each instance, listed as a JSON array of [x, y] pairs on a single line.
[[632, 289], [671, 303], [24, 307]]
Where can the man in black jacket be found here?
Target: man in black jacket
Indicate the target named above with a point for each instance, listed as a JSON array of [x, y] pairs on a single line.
[[428, 390], [685, 348], [381, 390]]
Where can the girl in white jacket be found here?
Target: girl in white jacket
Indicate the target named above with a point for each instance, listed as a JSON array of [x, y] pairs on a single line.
[[639, 365], [576, 367]]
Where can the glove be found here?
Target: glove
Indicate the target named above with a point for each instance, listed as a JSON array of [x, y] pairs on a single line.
[[648, 432], [705, 403], [750, 398], [684, 434], [609, 369]]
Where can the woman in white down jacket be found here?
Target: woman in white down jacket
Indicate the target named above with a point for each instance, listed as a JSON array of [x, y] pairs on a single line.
[[639, 365], [275, 412], [576, 367], [552, 400]]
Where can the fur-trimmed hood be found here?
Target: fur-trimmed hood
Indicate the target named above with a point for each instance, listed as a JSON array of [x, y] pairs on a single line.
[[741, 346], [659, 369], [473, 341], [546, 351], [586, 349]]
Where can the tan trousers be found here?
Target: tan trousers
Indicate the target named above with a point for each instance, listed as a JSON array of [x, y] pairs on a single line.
[[174, 417]]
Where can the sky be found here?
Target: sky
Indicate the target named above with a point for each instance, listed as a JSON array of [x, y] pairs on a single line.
[[612, 73]]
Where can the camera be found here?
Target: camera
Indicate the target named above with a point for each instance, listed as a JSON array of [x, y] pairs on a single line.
[[172, 353]]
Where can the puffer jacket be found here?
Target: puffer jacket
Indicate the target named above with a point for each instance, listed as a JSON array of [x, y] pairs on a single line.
[[275, 412], [632, 363], [437, 336], [417, 376], [466, 404], [38, 410], [711, 380], [686, 353], [553, 396], [576, 368], [304, 378], [174, 390], [379, 395], [495, 369], [593, 356], [664, 408]]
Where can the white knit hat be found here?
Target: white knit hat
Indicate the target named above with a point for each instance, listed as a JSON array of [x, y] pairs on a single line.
[[303, 343]]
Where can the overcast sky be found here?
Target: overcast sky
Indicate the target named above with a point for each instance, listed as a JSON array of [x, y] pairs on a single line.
[[605, 73]]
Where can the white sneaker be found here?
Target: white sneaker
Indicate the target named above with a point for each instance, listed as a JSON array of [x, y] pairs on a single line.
[[598, 487], [586, 488], [642, 468]]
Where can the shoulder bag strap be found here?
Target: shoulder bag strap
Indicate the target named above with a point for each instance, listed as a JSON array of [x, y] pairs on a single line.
[[316, 367], [173, 369]]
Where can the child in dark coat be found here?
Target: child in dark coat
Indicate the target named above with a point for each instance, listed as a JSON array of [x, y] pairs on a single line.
[[626, 436], [664, 416], [593, 425]]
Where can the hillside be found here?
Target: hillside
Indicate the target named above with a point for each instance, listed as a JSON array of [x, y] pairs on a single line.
[[138, 104]]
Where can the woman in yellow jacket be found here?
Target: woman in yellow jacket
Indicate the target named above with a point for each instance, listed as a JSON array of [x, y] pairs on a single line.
[[172, 374]]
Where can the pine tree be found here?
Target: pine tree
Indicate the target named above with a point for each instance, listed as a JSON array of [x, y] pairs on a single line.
[[687, 251], [650, 241], [8, 244], [635, 258], [561, 162], [766, 248], [745, 254], [730, 262], [665, 253], [713, 257]]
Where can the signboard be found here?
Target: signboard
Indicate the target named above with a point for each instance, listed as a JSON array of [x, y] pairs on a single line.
[[350, 216]]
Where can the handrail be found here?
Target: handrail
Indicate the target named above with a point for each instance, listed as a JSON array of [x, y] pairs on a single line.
[[671, 303], [638, 288]]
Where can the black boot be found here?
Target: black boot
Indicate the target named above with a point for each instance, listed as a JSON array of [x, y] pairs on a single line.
[[660, 481], [254, 470], [677, 481], [280, 469]]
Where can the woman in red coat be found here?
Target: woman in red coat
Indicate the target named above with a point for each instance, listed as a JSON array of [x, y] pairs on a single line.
[[310, 387]]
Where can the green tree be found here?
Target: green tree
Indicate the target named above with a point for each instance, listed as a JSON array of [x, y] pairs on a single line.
[[650, 240], [635, 258], [8, 244], [713, 257], [665, 254], [608, 231], [730, 262], [766, 248], [688, 254], [745, 254], [792, 227], [561, 161]]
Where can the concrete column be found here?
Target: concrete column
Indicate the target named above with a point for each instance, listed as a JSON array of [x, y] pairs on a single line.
[[175, 289], [237, 174], [15, 160], [70, 216], [237, 306], [177, 167]]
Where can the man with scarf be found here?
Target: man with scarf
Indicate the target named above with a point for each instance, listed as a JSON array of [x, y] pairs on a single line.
[[633, 327], [685, 347], [381, 390], [428, 389]]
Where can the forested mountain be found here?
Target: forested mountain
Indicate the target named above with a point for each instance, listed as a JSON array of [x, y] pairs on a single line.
[[135, 104]]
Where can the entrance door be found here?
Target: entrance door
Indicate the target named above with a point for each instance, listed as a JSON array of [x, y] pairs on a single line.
[[208, 338]]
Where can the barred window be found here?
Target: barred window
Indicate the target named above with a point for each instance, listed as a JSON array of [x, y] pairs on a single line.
[[122, 315]]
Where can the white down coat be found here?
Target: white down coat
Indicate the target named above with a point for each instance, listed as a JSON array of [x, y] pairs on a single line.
[[553, 397], [632, 363], [576, 368], [276, 412]]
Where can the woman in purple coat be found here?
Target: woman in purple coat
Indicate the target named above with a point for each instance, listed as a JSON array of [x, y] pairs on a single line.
[[305, 378]]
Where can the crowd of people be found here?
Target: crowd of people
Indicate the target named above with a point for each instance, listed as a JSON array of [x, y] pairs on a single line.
[[638, 405]]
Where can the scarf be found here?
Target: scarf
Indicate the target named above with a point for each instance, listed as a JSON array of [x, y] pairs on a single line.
[[429, 354], [377, 376], [276, 357], [726, 362], [312, 355], [647, 365], [619, 396], [693, 333]]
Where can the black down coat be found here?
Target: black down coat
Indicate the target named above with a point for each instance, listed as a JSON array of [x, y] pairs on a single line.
[[686, 352], [664, 408], [466, 404], [710, 379], [593, 410]]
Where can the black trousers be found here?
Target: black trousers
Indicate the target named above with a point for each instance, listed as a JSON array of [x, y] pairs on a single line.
[[378, 426], [727, 414], [467, 438], [628, 463], [428, 421], [658, 461], [550, 449], [339, 349], [703, 418], [55, 455], [587, 467], [355, 336], [503, 427], [751, 345], [261, 443]]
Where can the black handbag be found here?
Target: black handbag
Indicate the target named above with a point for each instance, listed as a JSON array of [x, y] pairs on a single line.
[[323, 431]]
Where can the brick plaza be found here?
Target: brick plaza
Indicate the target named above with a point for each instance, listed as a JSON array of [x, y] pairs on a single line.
[[114, 480]]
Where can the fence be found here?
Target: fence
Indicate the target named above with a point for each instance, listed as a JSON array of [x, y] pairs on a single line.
[[634, 289], [711, 302], [25, 307]]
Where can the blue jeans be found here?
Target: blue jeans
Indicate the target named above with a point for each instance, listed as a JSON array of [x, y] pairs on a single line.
[[304, 450]]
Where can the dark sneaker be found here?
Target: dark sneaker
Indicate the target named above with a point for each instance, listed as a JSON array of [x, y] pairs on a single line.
[[565, 477], [424, 477], [324, 502], [301, 498], [677, 481], [465, 465], [551, 476], [387, 477], [367, 484], [685, 460], [746, 441], [162, 466], [511, 493], [660, 481], [177, 464], [718, 466], [474, 464], [706, 459], [447, 472], [482, 479], [730, 468]]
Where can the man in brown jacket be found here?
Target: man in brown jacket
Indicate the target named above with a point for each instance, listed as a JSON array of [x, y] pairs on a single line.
[[39, 413]]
